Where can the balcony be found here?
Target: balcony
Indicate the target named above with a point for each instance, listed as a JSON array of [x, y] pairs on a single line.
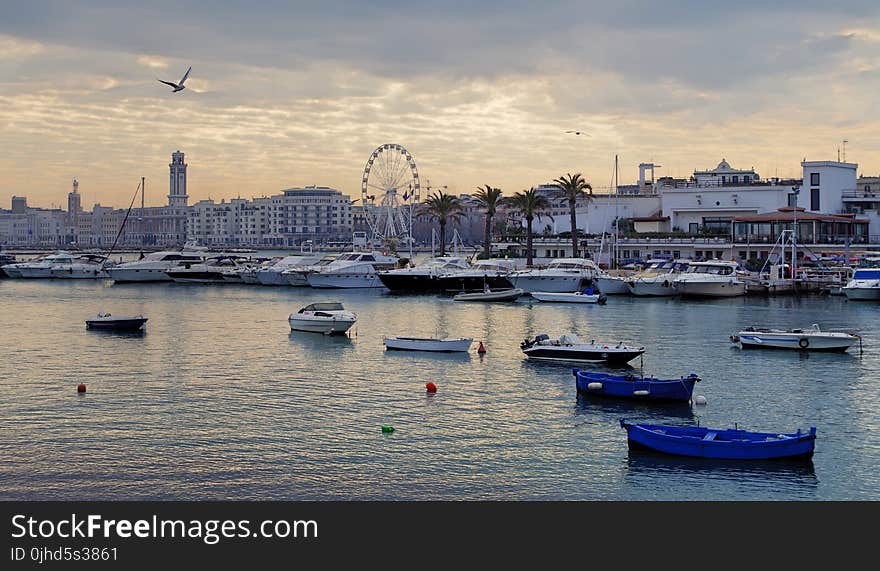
[[862, 195]]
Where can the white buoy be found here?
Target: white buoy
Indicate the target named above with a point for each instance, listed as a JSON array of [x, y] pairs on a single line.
[[594, 386], [641, 393], [700, 399]]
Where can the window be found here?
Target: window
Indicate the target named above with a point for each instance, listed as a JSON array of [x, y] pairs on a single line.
[[792, 199], [814, 199], [719, 254], [694, 228], [676, 254], [746, 178], [735, 178], [814, 179], [742, 254]]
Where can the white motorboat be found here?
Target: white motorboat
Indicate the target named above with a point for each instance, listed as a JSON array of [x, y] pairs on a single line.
[[353, 270], [490, 295], [492, 272], [656, 280], [298, 276], [328, 318], [611, 285], [423, 277], [446, 345], [11, 268], [217, 270], [152, 267], [810, 339], [577, 297], [864, 285], [108, 322], [569, 347], [86, 266], [273, 274], [42, 267], [715, 278], [562, 275]]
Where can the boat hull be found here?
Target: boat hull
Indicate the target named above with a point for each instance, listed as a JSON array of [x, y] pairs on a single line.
[[125, 275], [793, 342], [568, 297], [612, 286], [341, 280], [132, 324], [412, 283], [632, 387], [862, 294], [273, 278], [697, 442], [711, 289], [506, 295], [662, 288], [197, 277], [572, 354], [325, 326], [79, 274], [434, 345], [36, 273], [473, 283], [553, 284]]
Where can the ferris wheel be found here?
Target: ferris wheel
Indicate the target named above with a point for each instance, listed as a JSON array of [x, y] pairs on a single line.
[[389, 189]]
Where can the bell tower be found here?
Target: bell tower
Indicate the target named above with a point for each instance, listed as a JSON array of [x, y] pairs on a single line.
[[177, 196]]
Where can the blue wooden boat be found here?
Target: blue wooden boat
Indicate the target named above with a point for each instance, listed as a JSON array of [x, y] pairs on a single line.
[[726, 444], [633, 387]]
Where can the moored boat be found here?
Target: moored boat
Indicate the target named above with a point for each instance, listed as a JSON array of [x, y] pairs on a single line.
[[631, 386], [329, 318], [445, 345], [562, 275], [490, 295], [491, 272], [715, 278], [656, 280], [586, 296], [110, 322], [809, 339], [729, 444], [569, 347], [152, 267], [864, 285], [353, 270], [424, 277]]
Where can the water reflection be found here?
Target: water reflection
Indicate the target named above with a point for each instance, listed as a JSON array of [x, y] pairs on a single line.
[[641, 463], [612, 409]]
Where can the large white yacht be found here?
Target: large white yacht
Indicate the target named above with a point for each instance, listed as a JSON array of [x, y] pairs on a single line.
[[85, 266], [715, 278], [494, 273], [656, 280], [273, 274], [562, 275], [353, 270], [864, 285], [298, 276], [423, 277], [152, 267], [42, 267]]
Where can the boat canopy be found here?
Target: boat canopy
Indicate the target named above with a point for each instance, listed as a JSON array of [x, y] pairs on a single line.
[[872, 274], [325, 306]]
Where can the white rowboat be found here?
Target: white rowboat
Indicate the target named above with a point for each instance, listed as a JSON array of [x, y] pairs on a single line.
[[576, 297], [447, 345], [499, 295]]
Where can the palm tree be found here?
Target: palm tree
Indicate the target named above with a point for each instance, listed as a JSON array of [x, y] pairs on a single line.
[[572, 188], [489, 198], [443, 207], [530, 204]]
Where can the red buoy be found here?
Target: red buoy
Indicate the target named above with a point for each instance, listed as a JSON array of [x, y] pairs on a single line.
[[481, 349], [431, 387], [81, 388]]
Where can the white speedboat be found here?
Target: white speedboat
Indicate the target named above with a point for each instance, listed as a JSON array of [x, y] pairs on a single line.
[[42, 267], [10, 268], [562, 275], [715, 278], [810, 339], [576, 297], [611, 285], [446, 345], [423, 277], [864, 285], [298, 276], [569, 347], [273, 274], [490, 295], [87, 266], [328, 317], [492, 272], [353, 270], [152, 267], [656, 280]]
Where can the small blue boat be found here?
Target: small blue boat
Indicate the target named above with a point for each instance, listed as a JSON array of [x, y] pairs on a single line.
[[726, 444], [633, 387]]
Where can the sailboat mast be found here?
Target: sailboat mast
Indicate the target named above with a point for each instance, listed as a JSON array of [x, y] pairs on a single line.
[[616, 223], [143, 221]]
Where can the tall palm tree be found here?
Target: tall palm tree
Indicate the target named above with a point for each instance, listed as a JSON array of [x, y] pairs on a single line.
[[443, 207], [530, 204], [572, 187], [489, 198]]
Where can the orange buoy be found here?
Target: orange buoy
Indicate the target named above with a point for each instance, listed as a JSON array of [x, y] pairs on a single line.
[[431, 387], [81, 388], [481, 349]]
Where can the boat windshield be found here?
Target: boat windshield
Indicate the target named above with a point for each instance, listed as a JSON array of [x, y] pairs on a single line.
[[867, 275], [327, 306], [713, 270]]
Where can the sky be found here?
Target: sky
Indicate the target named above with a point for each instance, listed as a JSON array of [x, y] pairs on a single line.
[[287, 93]]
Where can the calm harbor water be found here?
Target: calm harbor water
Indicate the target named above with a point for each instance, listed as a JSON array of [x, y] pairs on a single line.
[[219, 400]]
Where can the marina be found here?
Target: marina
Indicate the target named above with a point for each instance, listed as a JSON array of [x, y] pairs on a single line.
[[500, 426]]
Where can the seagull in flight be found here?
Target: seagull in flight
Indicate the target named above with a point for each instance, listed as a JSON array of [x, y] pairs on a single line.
[[179, 85], [578, 133]]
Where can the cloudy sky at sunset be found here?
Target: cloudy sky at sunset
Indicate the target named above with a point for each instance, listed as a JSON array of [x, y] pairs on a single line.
[[294, 93]]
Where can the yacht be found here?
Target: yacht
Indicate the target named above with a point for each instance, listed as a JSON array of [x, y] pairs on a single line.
[[298, 276], [217, 270], [611, 284], [328, 318], [864, 285], [493, 272], [715, 278], [423, 277], [42, 267], [273, 274], [353, 270], [153, 266], [656, 280], [11, 268], [245, 271], [562, 275], [5, 260], [86, 266]]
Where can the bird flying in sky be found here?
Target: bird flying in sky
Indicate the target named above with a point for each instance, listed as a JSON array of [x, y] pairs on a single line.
[[179, 85]]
